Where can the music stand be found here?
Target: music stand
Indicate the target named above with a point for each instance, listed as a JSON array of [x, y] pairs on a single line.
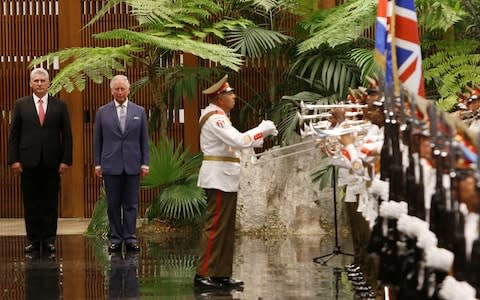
[[337, 250]]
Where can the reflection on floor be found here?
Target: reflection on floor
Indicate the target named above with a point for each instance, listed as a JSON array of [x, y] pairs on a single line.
[[272, 268]]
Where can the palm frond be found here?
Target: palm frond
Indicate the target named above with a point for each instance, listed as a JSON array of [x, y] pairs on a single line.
[[330, 70], [324, 175], [169, 164], [255, 41], [181, 203], [365, 61]]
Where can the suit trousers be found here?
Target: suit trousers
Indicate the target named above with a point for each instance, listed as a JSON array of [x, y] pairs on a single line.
[[122, 203], [218, 236], [40, 187]]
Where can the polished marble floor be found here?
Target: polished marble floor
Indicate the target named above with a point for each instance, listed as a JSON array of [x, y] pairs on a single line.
[[272, 268]]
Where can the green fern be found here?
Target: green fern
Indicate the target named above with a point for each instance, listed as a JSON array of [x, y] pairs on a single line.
[[446, 104], [214, 52], [342, 24], [438, 15], [93, 63], [453, 65], [348, 22]]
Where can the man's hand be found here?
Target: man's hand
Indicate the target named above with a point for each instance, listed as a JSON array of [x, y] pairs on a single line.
[[144, 172], [98, 172], [62, 168], [347, 139], [17, 167], [337, 116], [268, 128]]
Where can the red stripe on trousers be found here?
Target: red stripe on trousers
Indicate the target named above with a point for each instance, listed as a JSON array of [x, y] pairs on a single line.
[[212, 233]]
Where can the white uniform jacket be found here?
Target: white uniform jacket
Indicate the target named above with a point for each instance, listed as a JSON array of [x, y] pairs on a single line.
[[219, 139]]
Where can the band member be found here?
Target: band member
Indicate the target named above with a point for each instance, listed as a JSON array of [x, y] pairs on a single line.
[[219, 176]]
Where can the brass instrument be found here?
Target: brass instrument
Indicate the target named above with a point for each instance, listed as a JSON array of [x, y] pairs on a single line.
[[316, 131]]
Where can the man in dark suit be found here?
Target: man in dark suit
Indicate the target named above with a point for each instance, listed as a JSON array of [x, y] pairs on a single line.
[[40, 149], [121, 157]]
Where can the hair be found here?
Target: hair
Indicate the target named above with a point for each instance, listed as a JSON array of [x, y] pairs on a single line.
[[119, 77], [39, 71]]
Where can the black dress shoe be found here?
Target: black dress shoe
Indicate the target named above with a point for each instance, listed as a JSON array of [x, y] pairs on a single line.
[[48, 247], [115, 247], [206, 283], [32, 247], [228, 281], [132, 247]]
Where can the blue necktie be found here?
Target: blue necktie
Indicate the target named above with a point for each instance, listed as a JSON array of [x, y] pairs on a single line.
[[122, 116]]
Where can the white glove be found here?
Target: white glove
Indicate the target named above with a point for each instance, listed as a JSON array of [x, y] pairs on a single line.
[[257, 143], [268, 128]]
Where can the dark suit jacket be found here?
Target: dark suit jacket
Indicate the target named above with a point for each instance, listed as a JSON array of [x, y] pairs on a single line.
[[115, 151], [29, 143]]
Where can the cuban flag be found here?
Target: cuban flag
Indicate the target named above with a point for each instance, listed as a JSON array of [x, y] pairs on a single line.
[[397, 44]]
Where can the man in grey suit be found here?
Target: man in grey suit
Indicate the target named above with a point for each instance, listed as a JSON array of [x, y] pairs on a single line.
[[121, 158], [40, 149]]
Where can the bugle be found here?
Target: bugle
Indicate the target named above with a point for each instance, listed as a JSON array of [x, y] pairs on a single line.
[[306, 107], [303, 117]]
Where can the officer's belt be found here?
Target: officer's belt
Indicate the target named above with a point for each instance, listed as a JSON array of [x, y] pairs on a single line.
[[221, 158]]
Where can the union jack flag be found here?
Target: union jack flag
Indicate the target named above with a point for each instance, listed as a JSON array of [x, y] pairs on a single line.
[[397, 44]]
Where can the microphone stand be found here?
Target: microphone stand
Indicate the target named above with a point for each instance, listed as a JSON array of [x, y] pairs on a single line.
[[337, 250]]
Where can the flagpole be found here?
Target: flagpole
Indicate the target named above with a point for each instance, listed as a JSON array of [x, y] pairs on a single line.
[[393, 49]]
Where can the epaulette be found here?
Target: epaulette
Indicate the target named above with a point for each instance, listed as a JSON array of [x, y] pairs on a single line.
[[208, 115]]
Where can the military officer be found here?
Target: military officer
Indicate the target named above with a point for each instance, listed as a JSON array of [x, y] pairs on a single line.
[[219, 176]]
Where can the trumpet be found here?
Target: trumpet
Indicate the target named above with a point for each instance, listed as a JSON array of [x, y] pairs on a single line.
[[305, 107], [321, 128], [303, 117], [316, 133]]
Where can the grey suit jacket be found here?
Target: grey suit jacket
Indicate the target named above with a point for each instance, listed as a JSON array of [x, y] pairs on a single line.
[[115, 151]]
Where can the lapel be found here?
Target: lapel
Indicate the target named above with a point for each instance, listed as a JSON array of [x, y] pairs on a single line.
[[32, 110], [50, 109], [130, 114]]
